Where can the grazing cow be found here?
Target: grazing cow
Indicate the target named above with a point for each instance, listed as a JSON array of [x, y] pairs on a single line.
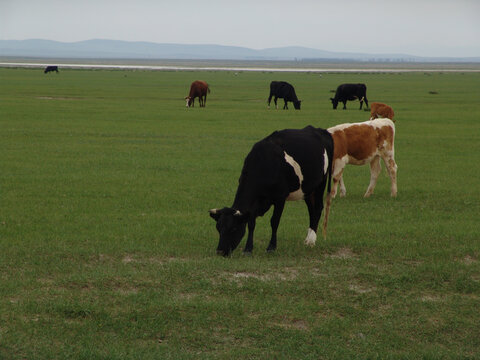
[[379, 110], [50, 68], [285, 91], [350, 92], [362, 143], [198, 89], [289, 164]]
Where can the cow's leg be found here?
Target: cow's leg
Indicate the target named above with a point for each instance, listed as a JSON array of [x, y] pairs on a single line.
[[274, 221], [249, 245], [328, 202], [343, 189], [345, 105], [269, 100], [366, 101], [338, 167], [205, 100], [391, 166], [275, 101], [375, 169], [337, 178], [286, 105], [314, 203]]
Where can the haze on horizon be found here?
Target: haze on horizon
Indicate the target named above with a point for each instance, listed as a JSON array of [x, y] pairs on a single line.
[[442, 28]]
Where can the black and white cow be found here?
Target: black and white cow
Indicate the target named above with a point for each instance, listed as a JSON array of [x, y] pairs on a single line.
[[285, 91], [350, 92], [290, 164], [50, 69]]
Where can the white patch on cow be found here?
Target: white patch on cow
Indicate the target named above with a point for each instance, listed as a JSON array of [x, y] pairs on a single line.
[[187, 99], [379, 123], [297, 194], [354, 161], [311, 238], [325, 161], [339, 164], [375, 123]]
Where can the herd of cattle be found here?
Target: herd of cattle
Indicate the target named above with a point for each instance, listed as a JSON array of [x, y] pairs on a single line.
[[296, 164]]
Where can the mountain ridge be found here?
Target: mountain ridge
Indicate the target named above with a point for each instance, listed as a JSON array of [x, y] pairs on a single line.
[[120, 49]]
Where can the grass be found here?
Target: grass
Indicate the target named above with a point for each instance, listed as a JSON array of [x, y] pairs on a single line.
[[107, 250]]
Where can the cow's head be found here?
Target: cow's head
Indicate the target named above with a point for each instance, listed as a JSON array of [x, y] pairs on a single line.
[[189, 101], [231, 225], [334, 103], [296, 104]]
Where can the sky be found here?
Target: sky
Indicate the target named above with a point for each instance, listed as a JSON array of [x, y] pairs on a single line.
[[413, 27]]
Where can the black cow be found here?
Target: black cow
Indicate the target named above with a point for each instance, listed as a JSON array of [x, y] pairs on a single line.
[[289, 164], [350, 92], [285, 91], [50, 68]]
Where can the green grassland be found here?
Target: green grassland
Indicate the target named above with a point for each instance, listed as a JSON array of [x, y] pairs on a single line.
[[107, 250]]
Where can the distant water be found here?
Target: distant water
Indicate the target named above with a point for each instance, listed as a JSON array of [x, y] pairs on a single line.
[[237, 69]]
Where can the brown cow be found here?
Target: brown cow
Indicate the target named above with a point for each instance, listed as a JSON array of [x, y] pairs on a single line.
[[379, 110], [198, 89], [362, 143]]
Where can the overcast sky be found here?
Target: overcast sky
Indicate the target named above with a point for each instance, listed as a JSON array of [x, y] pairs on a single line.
[[415, 27]]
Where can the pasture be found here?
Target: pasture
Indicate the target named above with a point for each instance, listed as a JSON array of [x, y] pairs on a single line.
[[107, 250]]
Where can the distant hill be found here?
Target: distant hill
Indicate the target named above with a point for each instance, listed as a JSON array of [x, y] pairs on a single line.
[[114, 49]]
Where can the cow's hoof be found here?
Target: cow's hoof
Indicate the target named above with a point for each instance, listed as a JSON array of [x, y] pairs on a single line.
[[247, 252], [271, 250]]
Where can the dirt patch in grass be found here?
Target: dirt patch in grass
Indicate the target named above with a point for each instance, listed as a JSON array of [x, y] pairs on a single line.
[[432, 298], [286, 274], [468, 260], [361, 289], [343, 253], [292, 324], [57, 98], [131, 259]]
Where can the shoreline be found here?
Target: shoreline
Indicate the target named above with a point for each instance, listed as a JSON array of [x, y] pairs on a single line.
[[250, 67]]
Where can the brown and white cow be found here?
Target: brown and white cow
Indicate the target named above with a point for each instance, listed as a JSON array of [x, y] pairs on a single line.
[[198, 89], [379, 110], [362, 143]]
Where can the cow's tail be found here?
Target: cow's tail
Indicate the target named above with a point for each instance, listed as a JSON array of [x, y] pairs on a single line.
[[328, 200], [208, 88]]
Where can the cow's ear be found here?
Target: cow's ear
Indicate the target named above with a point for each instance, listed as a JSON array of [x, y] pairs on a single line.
[[243, 217], [215, 214]]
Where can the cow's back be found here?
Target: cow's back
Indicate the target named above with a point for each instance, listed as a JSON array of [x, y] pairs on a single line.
[[347, 91], [198, 88], [380, 110], [283, 89], [361, 141], [307, 147]]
